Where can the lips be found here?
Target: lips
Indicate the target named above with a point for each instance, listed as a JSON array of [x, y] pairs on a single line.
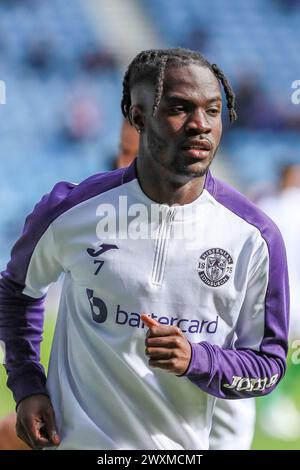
[[197, 145], [197, 149]]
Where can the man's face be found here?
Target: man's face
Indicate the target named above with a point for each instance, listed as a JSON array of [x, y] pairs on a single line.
[[184, 135]]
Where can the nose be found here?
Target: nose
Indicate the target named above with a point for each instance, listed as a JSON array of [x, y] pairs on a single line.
[[198, 123]]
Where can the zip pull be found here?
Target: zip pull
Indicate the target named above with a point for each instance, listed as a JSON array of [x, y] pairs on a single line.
[[161, 248], [171, 214]]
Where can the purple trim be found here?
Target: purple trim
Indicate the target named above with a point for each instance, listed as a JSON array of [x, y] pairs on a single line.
[[271, 357], [21, 317], [200, 362], [22, 333]]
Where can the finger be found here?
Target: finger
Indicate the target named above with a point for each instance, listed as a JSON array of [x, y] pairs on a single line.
[[149, 322], [34, 434], [166, 364], [160, 353], [48, 439], [164, 342], [22, 433], [28, 431], [24, 438], [164, 330], [50, 426]]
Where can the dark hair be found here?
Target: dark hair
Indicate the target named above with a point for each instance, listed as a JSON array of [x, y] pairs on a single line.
[[150, 66]]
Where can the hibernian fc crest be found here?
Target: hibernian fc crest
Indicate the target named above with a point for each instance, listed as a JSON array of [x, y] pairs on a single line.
[[215, 267]]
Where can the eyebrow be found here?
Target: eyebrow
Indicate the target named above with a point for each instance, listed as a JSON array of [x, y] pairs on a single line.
[[179, 98], [215, 99]]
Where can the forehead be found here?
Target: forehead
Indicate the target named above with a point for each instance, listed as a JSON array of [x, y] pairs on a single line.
[[192, 81], [189, 81]]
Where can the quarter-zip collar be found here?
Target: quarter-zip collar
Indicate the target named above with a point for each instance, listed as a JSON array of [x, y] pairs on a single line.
[[181, 213]]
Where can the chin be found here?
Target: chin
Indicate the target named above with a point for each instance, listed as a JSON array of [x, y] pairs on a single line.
[[193, 170]]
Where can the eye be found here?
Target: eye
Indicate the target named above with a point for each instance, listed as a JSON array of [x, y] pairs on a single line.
[[176, 109], [213, 111]]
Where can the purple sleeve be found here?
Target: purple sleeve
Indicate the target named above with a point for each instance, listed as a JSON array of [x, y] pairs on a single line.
[[21, 333], [250, 372], [234, 374], [21, 316]]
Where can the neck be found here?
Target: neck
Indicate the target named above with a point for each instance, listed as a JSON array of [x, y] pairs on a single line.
[[165, 188]]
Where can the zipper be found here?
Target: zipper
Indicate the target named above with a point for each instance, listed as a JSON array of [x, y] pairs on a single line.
[[161, 247]]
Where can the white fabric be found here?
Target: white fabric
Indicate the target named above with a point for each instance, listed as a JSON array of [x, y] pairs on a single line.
[[104, 394], [233, 424]]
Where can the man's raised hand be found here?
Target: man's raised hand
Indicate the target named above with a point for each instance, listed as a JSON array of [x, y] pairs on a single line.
[[166, 347]]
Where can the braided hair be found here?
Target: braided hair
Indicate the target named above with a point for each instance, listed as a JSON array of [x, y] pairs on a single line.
[[150, 66]]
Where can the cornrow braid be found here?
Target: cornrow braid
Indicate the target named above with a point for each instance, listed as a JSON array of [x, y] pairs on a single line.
[[150, 66], [126, 99], [160, 83], [230, 96], [141, 58]]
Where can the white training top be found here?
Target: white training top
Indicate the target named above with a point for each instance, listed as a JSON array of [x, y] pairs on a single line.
[[215, 268]]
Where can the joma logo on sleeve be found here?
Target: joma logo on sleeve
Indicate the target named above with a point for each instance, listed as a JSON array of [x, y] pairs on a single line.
[[247, 384]]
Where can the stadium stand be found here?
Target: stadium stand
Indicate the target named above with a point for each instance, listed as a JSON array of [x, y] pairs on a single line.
[[257, 39], [53, 63]]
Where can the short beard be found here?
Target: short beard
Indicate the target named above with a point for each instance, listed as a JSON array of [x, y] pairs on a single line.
[[157, 147], [183, 169]]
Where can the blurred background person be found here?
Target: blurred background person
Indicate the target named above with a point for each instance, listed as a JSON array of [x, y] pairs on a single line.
[[128, 146], [284, 208], [281, 418], [82, 119], [8, 437]]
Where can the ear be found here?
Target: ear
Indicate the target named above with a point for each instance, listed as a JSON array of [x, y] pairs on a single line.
[[137, 117]]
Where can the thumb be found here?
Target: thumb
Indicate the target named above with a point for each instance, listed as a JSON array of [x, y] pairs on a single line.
[[50, 426], [149, 322]]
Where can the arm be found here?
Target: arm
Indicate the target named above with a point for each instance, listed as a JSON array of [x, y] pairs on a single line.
[[34, 264], [257, 362]]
